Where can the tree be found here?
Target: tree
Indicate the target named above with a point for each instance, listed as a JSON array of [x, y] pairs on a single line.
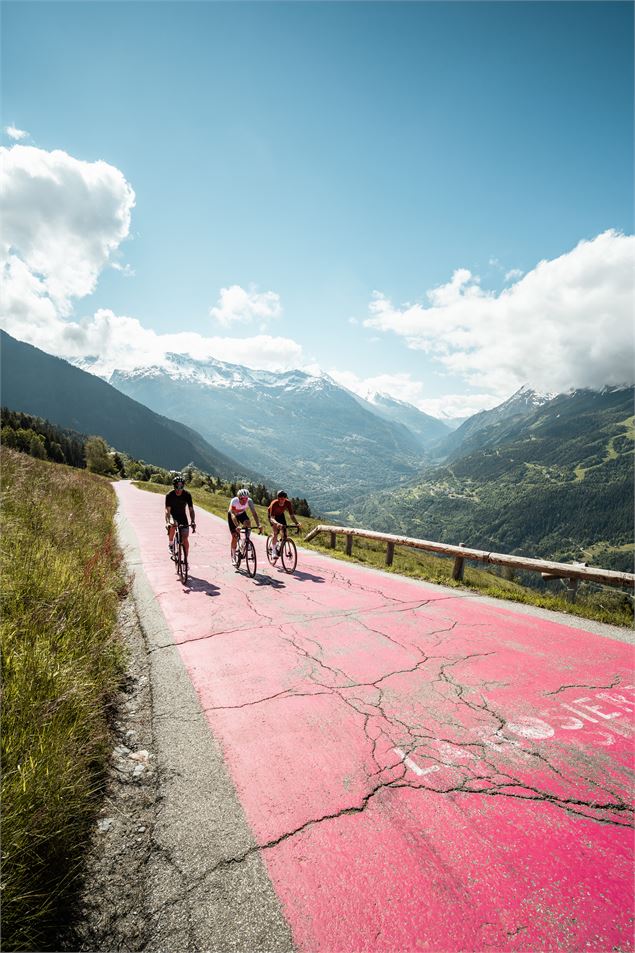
[[37, 447], [98, 459], [119, 465]]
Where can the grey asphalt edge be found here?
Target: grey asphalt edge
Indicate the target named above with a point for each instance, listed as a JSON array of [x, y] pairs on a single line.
[[199, 898]]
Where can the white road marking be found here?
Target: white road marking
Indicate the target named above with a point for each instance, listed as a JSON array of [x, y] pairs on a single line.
[[409, 763]]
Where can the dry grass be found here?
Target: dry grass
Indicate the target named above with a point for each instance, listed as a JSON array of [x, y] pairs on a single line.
[[61, 582]]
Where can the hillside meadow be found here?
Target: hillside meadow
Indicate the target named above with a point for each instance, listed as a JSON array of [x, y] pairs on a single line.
[[62, 582]]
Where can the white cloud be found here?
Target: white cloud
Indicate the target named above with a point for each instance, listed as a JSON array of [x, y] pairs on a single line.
[[401, 386], [236, 305], [62, 220], [513, 274], [107, 341], [126, 270], [567, 323], [63, 223], [16, 134]]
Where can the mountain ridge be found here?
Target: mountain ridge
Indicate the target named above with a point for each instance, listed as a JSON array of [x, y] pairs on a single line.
[[555, 483], [38, 383]]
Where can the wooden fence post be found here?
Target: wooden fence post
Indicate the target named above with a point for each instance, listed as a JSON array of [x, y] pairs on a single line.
[[349, 544], [390, 552], [459, 567], [333, 540], [572, 588]]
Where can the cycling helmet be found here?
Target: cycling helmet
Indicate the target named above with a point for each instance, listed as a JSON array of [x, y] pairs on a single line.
[[243, 493], [282, 495], [178, 481]]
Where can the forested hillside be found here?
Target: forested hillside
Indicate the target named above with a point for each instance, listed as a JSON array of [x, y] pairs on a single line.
[[558, 483]]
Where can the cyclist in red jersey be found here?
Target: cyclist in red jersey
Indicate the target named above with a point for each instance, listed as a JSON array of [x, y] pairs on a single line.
[[276, 513]]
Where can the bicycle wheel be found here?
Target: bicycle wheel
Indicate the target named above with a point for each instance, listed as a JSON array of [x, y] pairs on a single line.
[[250, 558], [289, 555], [182, 564], [270, 556]]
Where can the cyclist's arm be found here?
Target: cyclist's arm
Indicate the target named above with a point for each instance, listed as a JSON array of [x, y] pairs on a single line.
[[292, 514], [192, 517], [253, 510]]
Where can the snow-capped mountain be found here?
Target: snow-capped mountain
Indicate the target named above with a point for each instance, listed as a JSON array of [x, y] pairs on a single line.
[[306, 431], [217, 374], [426, 428]]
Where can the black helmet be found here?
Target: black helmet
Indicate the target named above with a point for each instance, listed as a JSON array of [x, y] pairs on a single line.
[[281, 493], [178, 481]]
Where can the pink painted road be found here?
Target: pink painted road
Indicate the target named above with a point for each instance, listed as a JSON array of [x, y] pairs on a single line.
[[422, 770]]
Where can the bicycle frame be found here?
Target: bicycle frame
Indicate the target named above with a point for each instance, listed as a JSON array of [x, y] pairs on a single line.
[[286, 548], [180, 556], [245, 549]]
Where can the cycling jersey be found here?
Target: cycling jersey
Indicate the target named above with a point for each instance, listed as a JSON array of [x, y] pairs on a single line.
[[238, 506], [277, 508], [177, 504]]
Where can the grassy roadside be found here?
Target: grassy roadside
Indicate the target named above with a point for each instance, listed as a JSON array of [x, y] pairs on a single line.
[[604, 606], [61, 661]]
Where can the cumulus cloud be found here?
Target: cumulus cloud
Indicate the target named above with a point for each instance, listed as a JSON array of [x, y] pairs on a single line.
[[237, 305], [16, 134], [62, 219], [567, 323], [402, 386], [63, 223]]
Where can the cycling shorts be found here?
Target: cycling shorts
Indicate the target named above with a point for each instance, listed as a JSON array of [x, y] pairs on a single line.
[[184, 527], [241, 517], [279, 519]]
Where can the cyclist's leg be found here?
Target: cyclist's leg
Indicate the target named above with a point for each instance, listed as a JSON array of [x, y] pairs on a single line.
[[185, 537], [283, 530], [234, 532], [274, 530], [171, 531]]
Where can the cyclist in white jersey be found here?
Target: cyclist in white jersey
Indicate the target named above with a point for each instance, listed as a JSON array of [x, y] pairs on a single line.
[[238, 516]]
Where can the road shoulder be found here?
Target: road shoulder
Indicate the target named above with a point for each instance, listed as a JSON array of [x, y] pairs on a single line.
[[173, 865]]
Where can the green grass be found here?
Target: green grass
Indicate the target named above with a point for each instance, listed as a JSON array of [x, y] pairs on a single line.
[[61, 663], [607, 605]]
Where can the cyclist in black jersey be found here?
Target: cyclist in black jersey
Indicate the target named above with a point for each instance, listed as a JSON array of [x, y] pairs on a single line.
[[176, 502]]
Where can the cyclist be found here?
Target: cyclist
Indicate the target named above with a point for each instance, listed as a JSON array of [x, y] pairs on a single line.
[[275, 512], [175, 503], [238, 516]]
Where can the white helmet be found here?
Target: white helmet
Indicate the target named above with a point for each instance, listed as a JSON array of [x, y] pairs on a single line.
[[242, 494]]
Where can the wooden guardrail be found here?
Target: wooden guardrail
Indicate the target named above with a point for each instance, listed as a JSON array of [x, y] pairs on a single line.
[[571, 572]]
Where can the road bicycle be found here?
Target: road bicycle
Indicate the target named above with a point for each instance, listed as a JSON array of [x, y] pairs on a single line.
[[246, 550], [286, 549], [179, 556]]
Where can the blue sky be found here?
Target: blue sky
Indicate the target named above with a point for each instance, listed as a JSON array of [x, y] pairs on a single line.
[[338, 163]]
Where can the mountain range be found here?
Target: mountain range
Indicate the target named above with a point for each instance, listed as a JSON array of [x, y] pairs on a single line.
[[539, 475], [553, 480], [37, 383], [470, 434], [313, 436]]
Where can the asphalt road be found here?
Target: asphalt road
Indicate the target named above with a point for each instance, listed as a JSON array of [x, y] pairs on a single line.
[[355, 761]]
